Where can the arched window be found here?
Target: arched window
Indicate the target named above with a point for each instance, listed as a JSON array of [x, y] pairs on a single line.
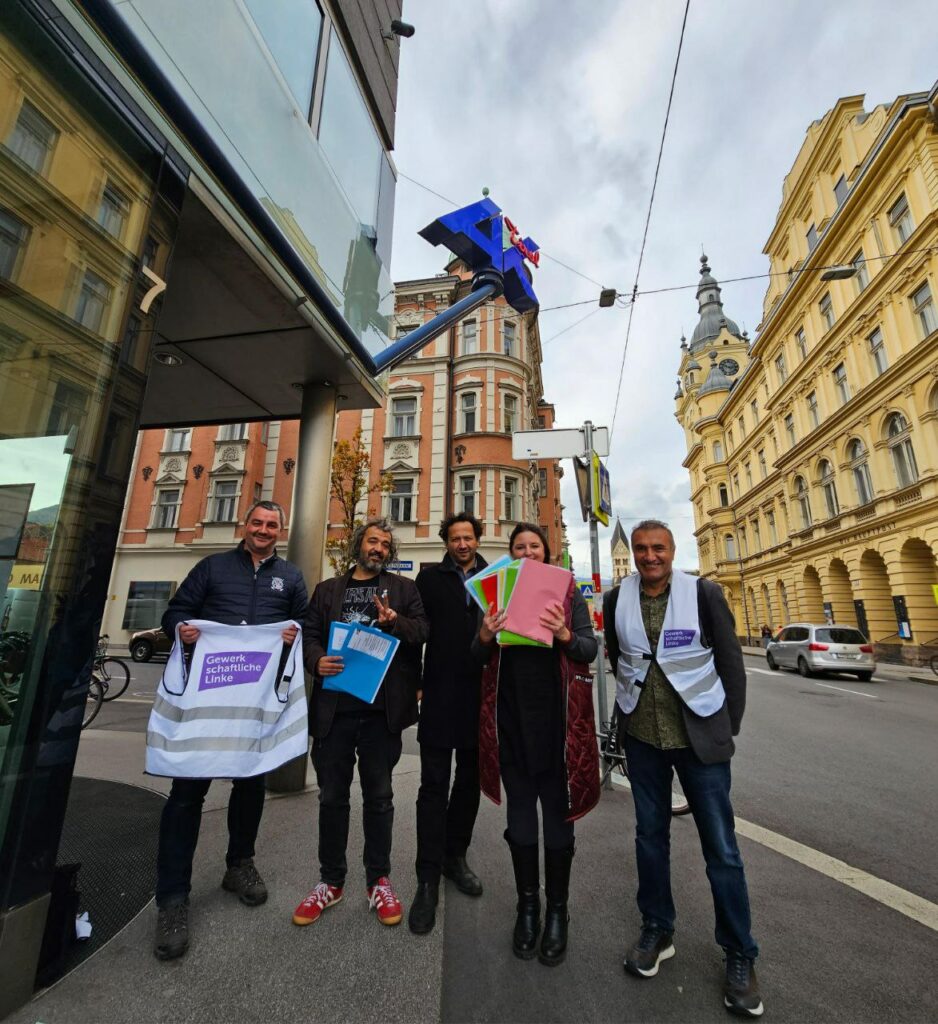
[[730, 545], [829, 487], [860, 467], [801, 497], [900, 444], [724, 496]]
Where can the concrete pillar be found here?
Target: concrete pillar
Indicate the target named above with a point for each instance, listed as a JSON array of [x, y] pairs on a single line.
[[308, 523]]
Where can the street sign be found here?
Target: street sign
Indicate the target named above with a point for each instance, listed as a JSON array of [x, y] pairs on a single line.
[[400, 566], [581, 472], [559, 443], [601, 491], [934, 590], [586, 589]]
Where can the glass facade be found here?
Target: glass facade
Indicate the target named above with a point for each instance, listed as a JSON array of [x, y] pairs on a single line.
[[79, 197]]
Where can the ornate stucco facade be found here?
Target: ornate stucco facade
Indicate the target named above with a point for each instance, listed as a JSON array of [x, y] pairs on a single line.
[[813, 449]]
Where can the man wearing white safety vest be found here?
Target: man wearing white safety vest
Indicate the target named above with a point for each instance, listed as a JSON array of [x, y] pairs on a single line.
[[680, 695]]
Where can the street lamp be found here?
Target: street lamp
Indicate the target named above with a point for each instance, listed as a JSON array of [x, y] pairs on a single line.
[[841, 272]]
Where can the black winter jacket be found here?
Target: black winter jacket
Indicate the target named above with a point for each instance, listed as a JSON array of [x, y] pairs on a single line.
[[449, 711], [403, 676], [225, 588]]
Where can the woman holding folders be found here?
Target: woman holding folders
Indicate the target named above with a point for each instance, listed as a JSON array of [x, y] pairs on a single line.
[[537, 732]]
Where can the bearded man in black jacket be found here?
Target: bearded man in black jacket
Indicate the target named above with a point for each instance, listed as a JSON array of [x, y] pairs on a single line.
[[449, 722]]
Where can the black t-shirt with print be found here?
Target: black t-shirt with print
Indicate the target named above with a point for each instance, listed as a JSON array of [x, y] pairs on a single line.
[[358, 606]]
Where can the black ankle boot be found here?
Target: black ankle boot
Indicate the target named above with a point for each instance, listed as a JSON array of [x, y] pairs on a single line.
[[556, 888], [524, 860]]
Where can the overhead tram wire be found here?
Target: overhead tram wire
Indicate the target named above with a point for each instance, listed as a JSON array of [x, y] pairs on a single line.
[[651, 203]]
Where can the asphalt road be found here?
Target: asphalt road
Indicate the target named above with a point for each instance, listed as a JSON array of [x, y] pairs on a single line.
[[845, 768]]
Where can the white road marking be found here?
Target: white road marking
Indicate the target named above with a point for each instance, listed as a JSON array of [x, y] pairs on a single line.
[[843, 689], [892, 896], [130, 700], [763, 671]]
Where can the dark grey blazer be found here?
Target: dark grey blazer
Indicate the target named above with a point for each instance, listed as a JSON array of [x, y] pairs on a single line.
[[712, 737]]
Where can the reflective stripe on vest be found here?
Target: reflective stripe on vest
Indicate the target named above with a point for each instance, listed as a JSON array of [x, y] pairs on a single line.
[[686, 663]]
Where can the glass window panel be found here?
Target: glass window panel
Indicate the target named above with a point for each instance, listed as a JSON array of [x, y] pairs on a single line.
[[901, 219], [508, 338], [862, 278], [826, 307], [403, 417], [113, 210], [812, 237], [291, 31], [226, 501], [13, 236], [470, 338], [840, 190], [402, 500], [93, 298], [878, 352], [32, 138], [924, 309], [348, 137], [802, 342], [146, 603]]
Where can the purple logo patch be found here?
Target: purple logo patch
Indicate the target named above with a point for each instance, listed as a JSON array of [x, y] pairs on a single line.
[[232, 668], [678, 637]]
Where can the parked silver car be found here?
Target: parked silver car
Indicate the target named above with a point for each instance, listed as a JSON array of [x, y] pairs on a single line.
[[819, 649]]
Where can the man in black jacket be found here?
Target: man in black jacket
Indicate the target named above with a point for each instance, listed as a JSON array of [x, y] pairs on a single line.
[[249, 585], [344, 726], [681, 693], [449, 722]]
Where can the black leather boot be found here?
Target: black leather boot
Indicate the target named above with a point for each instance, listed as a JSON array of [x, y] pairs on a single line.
[[524, 860], [556, 888]]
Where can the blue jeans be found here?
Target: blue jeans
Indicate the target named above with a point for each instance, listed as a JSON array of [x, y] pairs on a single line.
[[707, 787]]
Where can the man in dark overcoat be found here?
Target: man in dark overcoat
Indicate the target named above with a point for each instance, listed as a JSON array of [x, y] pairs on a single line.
[[449, 722]]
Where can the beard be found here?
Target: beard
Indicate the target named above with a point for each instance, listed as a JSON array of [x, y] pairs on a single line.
[[371, 563]]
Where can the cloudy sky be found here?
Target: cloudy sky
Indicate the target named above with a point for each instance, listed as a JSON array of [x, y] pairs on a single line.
[[557, 107]]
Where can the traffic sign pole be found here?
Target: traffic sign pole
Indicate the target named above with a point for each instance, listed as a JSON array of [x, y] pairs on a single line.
[[602, 700]]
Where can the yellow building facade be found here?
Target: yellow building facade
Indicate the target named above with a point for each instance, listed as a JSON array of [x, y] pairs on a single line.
[[813, 448]]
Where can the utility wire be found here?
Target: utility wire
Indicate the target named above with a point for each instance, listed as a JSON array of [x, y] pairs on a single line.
[[570, 327], [651, 203]]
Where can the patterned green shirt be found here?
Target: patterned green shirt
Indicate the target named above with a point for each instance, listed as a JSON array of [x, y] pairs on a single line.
[[658, 718]]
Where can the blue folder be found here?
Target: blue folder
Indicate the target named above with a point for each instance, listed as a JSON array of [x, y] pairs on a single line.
[[367, 653]]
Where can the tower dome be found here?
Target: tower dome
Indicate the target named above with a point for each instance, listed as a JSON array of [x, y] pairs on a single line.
[[712, 318]]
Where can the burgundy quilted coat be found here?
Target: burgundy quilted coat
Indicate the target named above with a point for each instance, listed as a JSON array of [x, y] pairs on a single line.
[[581, 754]]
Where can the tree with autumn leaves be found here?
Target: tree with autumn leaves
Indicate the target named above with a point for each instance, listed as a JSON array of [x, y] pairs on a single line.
[[349, 486]]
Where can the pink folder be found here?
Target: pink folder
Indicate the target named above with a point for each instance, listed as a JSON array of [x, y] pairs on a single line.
[[538, 585]]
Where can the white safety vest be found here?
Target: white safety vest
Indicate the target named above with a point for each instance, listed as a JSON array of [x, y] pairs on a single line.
[[687, 664], [228, 714]]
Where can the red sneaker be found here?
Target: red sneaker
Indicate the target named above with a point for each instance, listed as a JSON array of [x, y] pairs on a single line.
[[310, 910], [381, 896]]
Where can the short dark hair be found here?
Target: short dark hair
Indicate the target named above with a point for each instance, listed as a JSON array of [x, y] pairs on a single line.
[[652, 524], [459, 517], [379, 524], [530, 528], [269, 506]]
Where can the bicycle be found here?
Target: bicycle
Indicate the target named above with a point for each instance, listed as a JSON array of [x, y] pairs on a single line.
[[112, 673], [614, 760], [933, 662], [93, 702]]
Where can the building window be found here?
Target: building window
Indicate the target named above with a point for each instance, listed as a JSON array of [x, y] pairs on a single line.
[[754, 408], [13, 237], [724, 496], [730, 546], [32, 138], [862, 278], [233, 432], [790, 430], [878, 352], [509, 337], [900, 444], [93, 299], [829, 487], [146, 603], [859, 465], [68, 409], [804, 504], [258, 492], [467, 495], [813, 415], [730, 442], [900, 219], [150, 249], [167, 506], [747, 469], [403, 417], [114, 210], [717, 451], [225, 501], [802, 343], [924, 309], [743, 542], [467, 410], [812, 238], [840, 190], [773, 532], [781, 370], [542, 483], [736, 488], [402, 500], [763, 467], [826, 306], [840, 383], [741, 422], [177, 440], [509, 413], [756, 535], [291, 31], [512, 498], [130, 343], [470, 338]]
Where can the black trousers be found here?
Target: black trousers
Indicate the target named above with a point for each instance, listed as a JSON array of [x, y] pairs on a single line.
[[179, 831], [523, 792], [367, 736], [445, 818]]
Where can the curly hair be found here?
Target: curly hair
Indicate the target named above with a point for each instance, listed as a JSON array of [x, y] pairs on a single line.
[[459, 517], [379, 524]]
